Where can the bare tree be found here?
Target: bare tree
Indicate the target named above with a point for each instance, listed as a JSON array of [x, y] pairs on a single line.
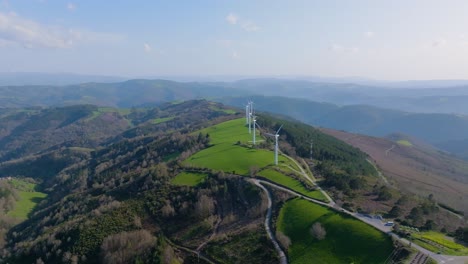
[[125, 246], [283, 239], [318, 231]]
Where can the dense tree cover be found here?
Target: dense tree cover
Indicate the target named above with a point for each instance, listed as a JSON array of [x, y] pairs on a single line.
[[462, 234], [341, 165], [102, 196], [120, 192]]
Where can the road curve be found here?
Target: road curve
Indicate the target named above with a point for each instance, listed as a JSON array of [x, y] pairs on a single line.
[[282, 256]]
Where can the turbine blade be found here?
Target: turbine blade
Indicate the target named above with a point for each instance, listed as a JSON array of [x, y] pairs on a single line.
[[270, 134], [279, 129]]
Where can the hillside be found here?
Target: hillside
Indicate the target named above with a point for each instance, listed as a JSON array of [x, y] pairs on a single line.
[[154, 182], [130, 93], [414, 168], [446, 131]]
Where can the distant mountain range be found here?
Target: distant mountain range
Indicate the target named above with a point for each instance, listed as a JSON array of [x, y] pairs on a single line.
[[448, 132], [36, 78], [355, 108]]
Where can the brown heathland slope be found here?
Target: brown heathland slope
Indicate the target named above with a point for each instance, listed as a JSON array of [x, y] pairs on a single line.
[[415, 169]]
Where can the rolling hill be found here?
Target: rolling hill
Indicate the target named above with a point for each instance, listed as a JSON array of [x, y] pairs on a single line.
[[138, 183], [441, 130], [415, 168]]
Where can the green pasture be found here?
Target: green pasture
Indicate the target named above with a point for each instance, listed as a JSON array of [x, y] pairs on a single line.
[[347, 239], [161, 120], [28, 198], [405, 143], [291, 183], [189, 179], [227, 155], [438, 242]]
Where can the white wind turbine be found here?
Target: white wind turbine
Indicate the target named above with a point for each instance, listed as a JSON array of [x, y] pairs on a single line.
[[247, 113], [251, 112], [254, 125], [276, 135]]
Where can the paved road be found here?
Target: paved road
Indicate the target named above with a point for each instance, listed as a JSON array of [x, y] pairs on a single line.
[[281, 254]]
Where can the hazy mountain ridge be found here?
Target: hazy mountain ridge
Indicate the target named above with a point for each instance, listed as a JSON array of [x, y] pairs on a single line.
[[436, 129]]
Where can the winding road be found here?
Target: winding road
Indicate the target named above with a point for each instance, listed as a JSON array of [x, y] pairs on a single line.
[[281, 254], [377, 223]]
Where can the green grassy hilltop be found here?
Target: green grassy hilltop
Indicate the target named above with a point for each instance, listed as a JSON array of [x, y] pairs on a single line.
[[227, 155], [347, 240]]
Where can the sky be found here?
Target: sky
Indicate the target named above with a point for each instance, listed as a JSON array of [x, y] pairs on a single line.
[[386, 40]]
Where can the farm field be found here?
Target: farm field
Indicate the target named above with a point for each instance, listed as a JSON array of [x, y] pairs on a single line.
[[227, 155], [291, 183], [189, 179], [29, 198], [347, 240], [438, 242]]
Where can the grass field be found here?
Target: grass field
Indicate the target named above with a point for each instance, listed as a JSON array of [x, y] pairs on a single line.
[[438, 242], [226, 155], [291, 183], [161, 120], [189, 179], [227, 111], [405, 143], [347, 240], [29, 197]]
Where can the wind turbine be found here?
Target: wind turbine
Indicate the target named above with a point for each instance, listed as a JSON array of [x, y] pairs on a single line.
[[247, 113], [276, 135], [254, 125], [250, 116]]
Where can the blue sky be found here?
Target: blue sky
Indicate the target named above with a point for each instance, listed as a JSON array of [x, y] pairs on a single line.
[[392, 40]]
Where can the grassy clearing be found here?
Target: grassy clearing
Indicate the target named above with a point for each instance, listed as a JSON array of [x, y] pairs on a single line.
[[438, 242], [347, 239], [161, 120], [291, 183], [189, 179], [227, 111], [80, 149], [102, 110], [27, 200], [226, 155], [405, 143]]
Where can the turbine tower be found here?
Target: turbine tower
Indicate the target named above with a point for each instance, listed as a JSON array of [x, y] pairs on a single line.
[[276, 135], [247, 113], [311, 149], [250, 104], [254, 125]]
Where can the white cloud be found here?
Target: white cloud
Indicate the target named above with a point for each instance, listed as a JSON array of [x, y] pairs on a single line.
[[232, 18], [369, 34], [16, 30], [147, 47], [235, 55], [250, 26], [245, 24], [341, 49], [71, 6]]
